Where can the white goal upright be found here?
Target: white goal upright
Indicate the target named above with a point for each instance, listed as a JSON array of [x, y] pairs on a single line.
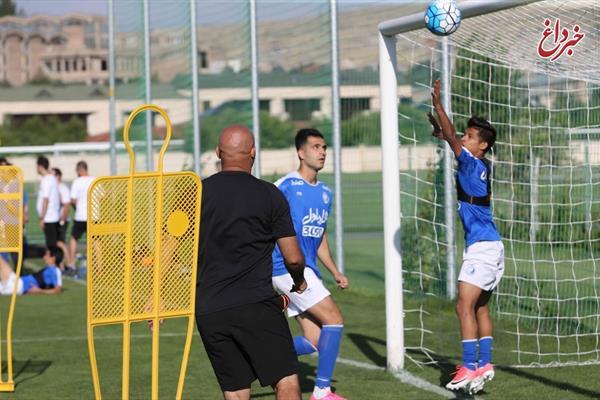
[[545, 186]]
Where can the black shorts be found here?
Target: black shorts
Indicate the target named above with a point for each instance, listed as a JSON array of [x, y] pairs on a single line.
[[62, 232], [51, 233], [248, 342], [79, 229]]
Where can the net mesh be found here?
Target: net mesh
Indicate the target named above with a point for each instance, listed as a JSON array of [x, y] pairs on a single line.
[[545, 185]]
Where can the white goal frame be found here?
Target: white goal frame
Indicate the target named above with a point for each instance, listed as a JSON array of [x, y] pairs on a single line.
[[391, 167]]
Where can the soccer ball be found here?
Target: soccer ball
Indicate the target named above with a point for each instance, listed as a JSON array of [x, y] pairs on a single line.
[[442, 17]]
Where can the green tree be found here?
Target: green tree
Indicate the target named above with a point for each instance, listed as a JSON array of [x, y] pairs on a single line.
[[274, 133], [43, 131], [526, 132], [7, 7]]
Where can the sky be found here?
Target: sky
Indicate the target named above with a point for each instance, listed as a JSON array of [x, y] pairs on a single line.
[[271, 9]]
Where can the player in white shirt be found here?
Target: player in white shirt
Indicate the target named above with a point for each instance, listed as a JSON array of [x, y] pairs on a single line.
[[63, 223], [79, 192], [48, 202]]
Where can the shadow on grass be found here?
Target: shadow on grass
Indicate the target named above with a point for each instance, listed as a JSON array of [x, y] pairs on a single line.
[[550, 382], [365, 345], [446, 365], [306, 373], [32, 369]]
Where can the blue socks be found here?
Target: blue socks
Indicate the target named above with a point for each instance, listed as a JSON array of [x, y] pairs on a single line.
[[329, 347], [485, 350], [303, 346], [469, 358]]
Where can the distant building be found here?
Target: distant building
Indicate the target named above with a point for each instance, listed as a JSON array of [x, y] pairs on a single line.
[[66, 49], [296, 97], [74, 49]]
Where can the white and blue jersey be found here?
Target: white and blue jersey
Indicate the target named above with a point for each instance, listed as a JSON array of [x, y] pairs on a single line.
[[47, 278], [477, 221], [310, 206]]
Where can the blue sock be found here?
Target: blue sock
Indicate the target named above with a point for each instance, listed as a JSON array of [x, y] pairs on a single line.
[[469, 358], [303, 346], [485, 350], [329, 347]]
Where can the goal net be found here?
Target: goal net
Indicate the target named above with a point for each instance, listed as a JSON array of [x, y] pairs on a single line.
[[546, 181]]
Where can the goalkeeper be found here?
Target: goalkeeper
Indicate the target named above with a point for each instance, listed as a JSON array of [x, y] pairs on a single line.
[[483, 257]]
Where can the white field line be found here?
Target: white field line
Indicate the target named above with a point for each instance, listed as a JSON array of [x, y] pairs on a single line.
[[403, 376]]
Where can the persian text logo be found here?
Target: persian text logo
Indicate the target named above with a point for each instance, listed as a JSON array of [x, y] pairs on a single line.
[[561, 40]]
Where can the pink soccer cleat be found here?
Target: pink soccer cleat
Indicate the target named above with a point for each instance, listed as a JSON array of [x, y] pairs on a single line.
[[465, 379], [486, 372], [329, 396]]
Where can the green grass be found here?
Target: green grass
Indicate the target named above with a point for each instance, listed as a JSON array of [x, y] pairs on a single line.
[[50, 347], [51, 358]]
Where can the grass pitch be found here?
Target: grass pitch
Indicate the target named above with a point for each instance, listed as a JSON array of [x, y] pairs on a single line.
[[51, 358]]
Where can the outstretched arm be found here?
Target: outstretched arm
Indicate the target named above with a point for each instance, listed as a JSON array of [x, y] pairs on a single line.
[[325, 256], [448, 133]]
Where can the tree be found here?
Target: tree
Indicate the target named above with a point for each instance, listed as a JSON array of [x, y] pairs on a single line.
[[42, 131], [8, 7], [274, 133]]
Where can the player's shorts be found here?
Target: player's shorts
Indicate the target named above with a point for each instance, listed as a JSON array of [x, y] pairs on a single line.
[[248, 342], [483, 264], [79, 229], [299, 303], [51, 233], [6, 288], [61, 232]]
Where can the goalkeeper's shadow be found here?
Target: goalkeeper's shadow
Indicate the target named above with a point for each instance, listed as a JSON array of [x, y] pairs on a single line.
[[447, 365], [562, 385]]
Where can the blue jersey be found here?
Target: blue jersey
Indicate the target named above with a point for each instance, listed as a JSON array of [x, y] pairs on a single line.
[[47, 278], [477, 221], [310, 206]]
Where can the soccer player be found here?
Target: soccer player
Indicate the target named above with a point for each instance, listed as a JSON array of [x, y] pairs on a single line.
[[316, 312], [65, 202], [483, 257], [48, 202], [79, 192], [48, 280], [238, 313]]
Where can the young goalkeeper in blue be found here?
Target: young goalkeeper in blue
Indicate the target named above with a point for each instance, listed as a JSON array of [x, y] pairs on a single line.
[[483, 257], [314, 309]]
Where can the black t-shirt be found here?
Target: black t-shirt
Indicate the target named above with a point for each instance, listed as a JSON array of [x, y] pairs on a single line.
[[241, 219]]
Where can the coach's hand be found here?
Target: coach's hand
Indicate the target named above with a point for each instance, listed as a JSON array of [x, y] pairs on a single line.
[[299, 287], [341, 280]]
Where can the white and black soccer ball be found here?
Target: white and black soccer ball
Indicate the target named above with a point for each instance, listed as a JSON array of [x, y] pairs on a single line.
[[442, 17]]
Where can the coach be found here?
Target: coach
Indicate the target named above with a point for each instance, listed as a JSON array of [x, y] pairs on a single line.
[[238, 313]]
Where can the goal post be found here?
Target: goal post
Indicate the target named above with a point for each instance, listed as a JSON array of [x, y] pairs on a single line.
[[390, 135]]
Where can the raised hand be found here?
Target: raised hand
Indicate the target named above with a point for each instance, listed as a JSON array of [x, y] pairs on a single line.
[[435, 93], [437, 129]]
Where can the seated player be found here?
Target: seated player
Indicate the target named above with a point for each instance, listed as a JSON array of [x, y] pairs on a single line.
[[48, 280]]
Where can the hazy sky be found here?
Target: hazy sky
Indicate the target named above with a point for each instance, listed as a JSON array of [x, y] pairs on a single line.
[[269, 8]]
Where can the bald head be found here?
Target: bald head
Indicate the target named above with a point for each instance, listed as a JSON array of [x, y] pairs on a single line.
[[236, 148]]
